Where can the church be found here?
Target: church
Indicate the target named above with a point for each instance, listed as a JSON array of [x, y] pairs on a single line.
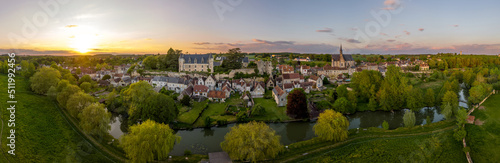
[[342, 60]]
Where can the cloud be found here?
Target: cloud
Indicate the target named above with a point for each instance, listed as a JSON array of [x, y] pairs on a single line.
[[406, 32], [71, 26], [350, 40], [456, 25], [391, 40], [326, 30], [391, 4], [201, 43], [37, 52], [421, 29], [354, 29], [273, 42], [383, 34]]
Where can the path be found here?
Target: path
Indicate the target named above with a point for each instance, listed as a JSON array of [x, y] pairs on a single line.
[[322, 149]]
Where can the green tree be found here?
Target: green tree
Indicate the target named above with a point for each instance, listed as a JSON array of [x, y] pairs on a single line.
[[258, 109], [429, 98], [296, 106], [447, 111], [331, 126], [372, 104], [415, 101], [342, 105], [27, 69], [150, 62], [86, 86], [62, 84], [461, 117], [158, 107], [341, 91], [353, 101], [186, 100], [409, 118], [254, 141], [148, 141], [94, 119], [233, 59], [137, 93], [69, 77], [85, 78], [77, 102], [385, 125], [45, 78], [451, 98], [106, 77], [64, 95]]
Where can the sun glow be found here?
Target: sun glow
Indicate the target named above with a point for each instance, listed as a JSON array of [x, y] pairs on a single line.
[[82, 39]]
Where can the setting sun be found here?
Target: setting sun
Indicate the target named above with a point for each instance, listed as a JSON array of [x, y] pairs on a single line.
[[81, 39]]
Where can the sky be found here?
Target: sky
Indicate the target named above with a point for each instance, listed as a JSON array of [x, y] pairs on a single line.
[[76, 27]]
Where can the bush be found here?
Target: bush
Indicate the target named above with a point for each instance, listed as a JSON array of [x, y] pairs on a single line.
[[242, 116], [208, 121], [222, 122], [187, 153], [385, 125]]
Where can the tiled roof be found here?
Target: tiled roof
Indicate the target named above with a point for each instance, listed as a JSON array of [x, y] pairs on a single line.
[[200, 88], [216, 94]]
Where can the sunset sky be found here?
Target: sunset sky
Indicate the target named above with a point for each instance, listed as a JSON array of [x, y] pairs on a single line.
[[203, 26]]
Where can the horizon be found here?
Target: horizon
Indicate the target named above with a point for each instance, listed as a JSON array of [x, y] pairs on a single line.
[[394, 27]]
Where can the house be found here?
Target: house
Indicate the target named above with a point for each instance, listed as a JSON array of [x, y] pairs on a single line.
[[218, 96], [307, 86], [280, 96], [304, 69], [258, 90], [210, 82], [286, 69], [115, 82], [104, 83], [424, 67], [270, 83], [159, 81], [200, 90], [186, 92], [332, 71], [176, 84], [302, 59], [317, 80], [288, 87], [289, 78], [193, 62], [245, 62]]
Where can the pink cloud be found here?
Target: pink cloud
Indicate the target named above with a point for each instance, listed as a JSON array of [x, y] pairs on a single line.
[[406, 32], [456, 25], [421, 29]]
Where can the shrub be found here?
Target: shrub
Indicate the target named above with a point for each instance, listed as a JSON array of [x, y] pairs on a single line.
[[187, 153]]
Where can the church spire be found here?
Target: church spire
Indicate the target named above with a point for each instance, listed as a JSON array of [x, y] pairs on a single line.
[[340, 49]]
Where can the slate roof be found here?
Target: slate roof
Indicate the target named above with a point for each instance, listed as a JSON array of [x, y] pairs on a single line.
[[245, 60], [347, 57], [200, 58]]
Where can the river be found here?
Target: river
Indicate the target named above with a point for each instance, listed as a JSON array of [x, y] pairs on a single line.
[[205, 140]]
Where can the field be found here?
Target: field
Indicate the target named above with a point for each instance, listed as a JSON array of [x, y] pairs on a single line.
[[430, 143], [42, 132], [273, 112], [484, 140], [190, 116]]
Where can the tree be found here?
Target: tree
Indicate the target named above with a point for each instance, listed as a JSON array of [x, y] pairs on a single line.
[[158, 107], [77, 102], [429, 98], [353, 101], [254, 141], [69, 77], [85, 78], [27, 69], [297, 104], [137, 93], [233, 59], [341, 91], [148, 141], [415, 101], [186, 100], [372, 104], [385, 125], [150, 62], [61, 85], [409, 118], [461, 117], [331, 126], [106, 77], [64, 95], [451, 98], [86, 86], [94, 119], [447, 111], [112, 102], [258, 110], [341, 105], [45, 78]]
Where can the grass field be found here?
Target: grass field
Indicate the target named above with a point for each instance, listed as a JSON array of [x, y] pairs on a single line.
[[484, 140], [428, 143], [273, 112], [42, 133], [190, 116]]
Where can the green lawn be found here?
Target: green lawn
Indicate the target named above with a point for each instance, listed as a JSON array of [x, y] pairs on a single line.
[[190, 116], [436, 85], [42, 133], [485, 140], [273, 112], [214, 109]]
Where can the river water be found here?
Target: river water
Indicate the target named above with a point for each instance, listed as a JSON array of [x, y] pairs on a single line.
[[206, 140]]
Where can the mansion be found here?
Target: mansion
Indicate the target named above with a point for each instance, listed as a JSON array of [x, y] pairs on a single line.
[[196, 62]]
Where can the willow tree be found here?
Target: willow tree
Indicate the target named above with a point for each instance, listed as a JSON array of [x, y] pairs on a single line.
[[253, 141], [331, 126], [77, 102], [409, 118], [45, 78], [94, 119], [148, 141]]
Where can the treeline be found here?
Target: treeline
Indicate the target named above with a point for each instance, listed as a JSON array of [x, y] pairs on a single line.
[[169, 62]]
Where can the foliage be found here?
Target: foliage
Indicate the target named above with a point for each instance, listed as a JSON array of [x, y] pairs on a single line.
[[385, 125], [342, 105], [27, 69], [353, 100], [45, 78], [148, 141], [450, 98], [94, 119], [372, 104], [106, 77], [414, 100], [158, 107], [479, 92], [391, 94], [66, 93], [77, 102], [242, 116], [258, 109], [186, 100], [341, 91], [331, 126], [366, 83], [254, 141], [137, 93], [233, 59], [112, 101], [86, 86], [459, 134], [429, 98], [296, 106], [70, 78], [447, 111], [85, 78], [409, 118]]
